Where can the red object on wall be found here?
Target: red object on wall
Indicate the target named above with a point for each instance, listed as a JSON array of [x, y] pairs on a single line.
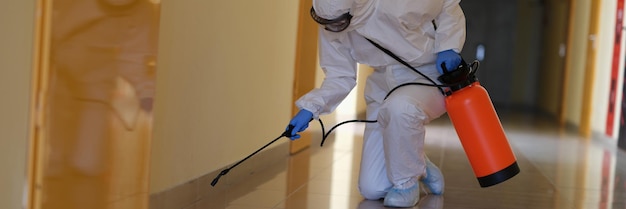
[[610, 119]]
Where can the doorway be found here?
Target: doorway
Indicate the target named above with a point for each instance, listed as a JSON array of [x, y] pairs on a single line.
[[95, 74]]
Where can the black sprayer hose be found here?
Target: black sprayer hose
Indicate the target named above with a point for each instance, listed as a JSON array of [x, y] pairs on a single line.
[[325, 135], [473, 67], [392, 55]]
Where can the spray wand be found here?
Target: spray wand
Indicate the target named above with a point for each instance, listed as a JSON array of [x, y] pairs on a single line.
[[287, 133]]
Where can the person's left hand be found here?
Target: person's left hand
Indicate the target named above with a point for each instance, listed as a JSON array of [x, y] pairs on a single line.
[[449, 58]]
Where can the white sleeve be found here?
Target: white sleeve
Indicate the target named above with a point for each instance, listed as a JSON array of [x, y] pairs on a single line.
[[340, 77], [450, 33]]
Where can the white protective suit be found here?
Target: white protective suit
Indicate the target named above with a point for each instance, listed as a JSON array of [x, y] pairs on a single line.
[[393, 148]]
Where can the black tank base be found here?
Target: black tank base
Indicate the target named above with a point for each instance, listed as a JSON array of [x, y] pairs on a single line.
[[500, 176]]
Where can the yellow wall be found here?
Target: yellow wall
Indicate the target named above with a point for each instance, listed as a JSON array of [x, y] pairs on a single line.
[[16, 39], [576, 60], [224, 84]]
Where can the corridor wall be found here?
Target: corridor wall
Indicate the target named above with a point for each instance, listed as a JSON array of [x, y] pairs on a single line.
[[224, 84], [17, 23]]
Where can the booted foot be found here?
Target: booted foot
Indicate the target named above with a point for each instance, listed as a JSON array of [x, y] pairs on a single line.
[[434, 179], [402, 198]]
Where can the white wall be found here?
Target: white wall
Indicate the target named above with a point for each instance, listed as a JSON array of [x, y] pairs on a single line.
[[224, 84], [16, 39]]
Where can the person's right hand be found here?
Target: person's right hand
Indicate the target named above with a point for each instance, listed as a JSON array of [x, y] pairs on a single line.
[[299, 122]]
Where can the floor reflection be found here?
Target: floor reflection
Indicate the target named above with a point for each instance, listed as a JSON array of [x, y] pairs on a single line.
[[425, 202], [98, 105], [559, 170]]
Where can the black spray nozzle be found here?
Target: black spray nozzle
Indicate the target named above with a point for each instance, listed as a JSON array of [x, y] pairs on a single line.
[[217, 178], [458, 78]]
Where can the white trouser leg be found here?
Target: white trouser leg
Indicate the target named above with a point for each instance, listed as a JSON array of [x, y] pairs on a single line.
[[373, 181], [393, 148]]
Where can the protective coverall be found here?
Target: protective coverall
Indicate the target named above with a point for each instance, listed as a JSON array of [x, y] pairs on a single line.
[[415, 30]]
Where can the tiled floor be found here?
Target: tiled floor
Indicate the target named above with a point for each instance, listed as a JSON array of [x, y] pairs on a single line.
[[558, 170]]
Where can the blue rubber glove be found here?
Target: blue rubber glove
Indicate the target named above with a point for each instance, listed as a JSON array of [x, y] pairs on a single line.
[[299, 122], [451, 59]]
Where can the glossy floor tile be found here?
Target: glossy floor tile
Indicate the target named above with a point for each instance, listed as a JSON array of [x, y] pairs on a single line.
[[558, 170]]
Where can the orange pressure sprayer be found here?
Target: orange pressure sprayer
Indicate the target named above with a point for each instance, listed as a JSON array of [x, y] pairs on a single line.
[[478, 126]]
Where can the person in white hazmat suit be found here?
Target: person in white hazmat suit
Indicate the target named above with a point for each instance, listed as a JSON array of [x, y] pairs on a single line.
[[423, 33]]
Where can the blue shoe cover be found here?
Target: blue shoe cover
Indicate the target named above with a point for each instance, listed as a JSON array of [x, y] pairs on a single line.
[[434, 181], [402, 198]]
